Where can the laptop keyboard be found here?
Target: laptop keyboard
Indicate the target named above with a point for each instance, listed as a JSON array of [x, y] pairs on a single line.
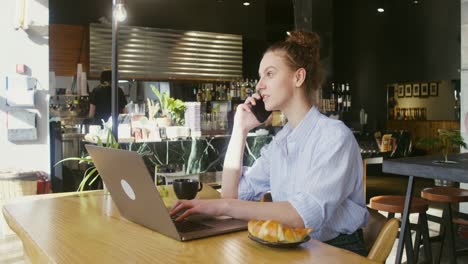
[[185, 226]]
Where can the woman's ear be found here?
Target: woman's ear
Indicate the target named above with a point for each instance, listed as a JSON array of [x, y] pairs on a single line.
[[299, 77]]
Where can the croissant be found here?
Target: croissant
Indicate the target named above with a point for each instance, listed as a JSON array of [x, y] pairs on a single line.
[[273, 231]]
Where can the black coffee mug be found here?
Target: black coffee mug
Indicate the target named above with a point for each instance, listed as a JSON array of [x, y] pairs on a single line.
[[186, 189]]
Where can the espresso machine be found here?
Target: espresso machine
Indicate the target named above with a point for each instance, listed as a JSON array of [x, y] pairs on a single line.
[[68, 118]]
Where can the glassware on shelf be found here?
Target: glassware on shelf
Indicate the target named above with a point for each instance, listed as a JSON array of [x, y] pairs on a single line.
[[137, 109], [222, 120]]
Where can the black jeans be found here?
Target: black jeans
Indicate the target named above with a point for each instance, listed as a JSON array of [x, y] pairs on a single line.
[[353, 242]]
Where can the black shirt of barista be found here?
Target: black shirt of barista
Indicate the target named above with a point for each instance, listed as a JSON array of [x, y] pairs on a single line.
[[101, 97]]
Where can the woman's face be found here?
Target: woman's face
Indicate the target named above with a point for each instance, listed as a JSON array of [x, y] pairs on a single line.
[[276, 84]]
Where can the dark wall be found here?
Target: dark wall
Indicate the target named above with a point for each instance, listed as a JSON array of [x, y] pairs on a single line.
[[317, 16], [258, 23], [405, 43]]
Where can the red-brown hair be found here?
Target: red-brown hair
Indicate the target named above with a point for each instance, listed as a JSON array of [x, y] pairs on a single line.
[[301, 49]]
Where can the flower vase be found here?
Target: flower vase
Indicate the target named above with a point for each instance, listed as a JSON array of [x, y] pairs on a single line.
[[163, 121]]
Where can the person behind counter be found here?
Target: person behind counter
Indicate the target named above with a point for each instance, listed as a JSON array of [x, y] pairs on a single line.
[[312, 167], [100, 99]]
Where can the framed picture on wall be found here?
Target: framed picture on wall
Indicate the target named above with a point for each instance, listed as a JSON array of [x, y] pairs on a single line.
[[424, 90], [416, 90], [433, 89], [401, 90], [408, 90]]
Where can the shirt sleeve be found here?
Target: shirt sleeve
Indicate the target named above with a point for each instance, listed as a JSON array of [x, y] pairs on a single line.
[[336, 168], [255, 180]]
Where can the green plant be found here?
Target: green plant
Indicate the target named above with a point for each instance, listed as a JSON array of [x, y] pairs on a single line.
[[444, 142], [170, 107]]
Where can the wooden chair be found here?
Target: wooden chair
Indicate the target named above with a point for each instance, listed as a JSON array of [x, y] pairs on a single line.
[[384, 243], [379, 236], [446, 196], [395, 204], [374, 225]]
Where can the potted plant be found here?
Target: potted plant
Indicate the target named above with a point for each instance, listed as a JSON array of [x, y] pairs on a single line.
[[169, 110], [446, 140]]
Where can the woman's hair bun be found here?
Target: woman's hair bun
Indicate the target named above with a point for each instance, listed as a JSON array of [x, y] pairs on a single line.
[[306, 39]]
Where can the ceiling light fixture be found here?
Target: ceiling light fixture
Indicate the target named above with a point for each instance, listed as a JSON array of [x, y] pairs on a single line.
[[381, 6], [120, 12], [246, 3]]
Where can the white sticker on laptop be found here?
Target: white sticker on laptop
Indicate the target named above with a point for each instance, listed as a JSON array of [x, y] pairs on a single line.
[[127, 189]]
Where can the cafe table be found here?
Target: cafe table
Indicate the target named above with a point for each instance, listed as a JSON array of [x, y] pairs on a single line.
[[87, 228], [424, 167]]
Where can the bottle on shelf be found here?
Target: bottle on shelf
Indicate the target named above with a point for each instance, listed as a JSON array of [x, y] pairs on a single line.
[[225, 92], [232, 91], [333, 97], [243, 93], [214, 95], [347, 101], [238, 89], [200, 94], [248, 88], [340, 98], [208, 92]]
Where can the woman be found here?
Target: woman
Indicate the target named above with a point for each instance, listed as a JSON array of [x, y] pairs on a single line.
[[312, 167]]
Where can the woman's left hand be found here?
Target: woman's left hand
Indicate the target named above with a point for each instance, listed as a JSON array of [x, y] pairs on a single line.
[[196, 206]]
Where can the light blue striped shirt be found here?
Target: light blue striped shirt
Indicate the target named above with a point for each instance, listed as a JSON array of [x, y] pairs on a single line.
[[317, 167]]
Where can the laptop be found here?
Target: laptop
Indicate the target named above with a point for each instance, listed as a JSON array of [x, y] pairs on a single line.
[[137, 199]]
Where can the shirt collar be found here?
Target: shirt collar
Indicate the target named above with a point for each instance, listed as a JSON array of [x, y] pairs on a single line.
[[300, 132]]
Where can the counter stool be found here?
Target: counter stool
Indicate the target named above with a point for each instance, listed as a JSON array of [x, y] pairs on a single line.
[[447, 196], [396, 204]]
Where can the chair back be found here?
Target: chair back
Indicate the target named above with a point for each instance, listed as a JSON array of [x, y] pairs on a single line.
[[371, 231], [384, 241]]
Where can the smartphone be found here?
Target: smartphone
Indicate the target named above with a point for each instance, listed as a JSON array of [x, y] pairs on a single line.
[[259, 110]]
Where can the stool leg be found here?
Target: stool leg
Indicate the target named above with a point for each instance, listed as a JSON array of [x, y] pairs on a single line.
[[417, 241], [426, 239], [449, 235], [408, 243], [442, 236], [405, 221]]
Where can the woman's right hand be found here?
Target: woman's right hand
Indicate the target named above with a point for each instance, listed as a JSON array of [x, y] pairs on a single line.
[[244, 119]]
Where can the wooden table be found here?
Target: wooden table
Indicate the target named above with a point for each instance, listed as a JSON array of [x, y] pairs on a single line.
[[87, 227], [424, 167]]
